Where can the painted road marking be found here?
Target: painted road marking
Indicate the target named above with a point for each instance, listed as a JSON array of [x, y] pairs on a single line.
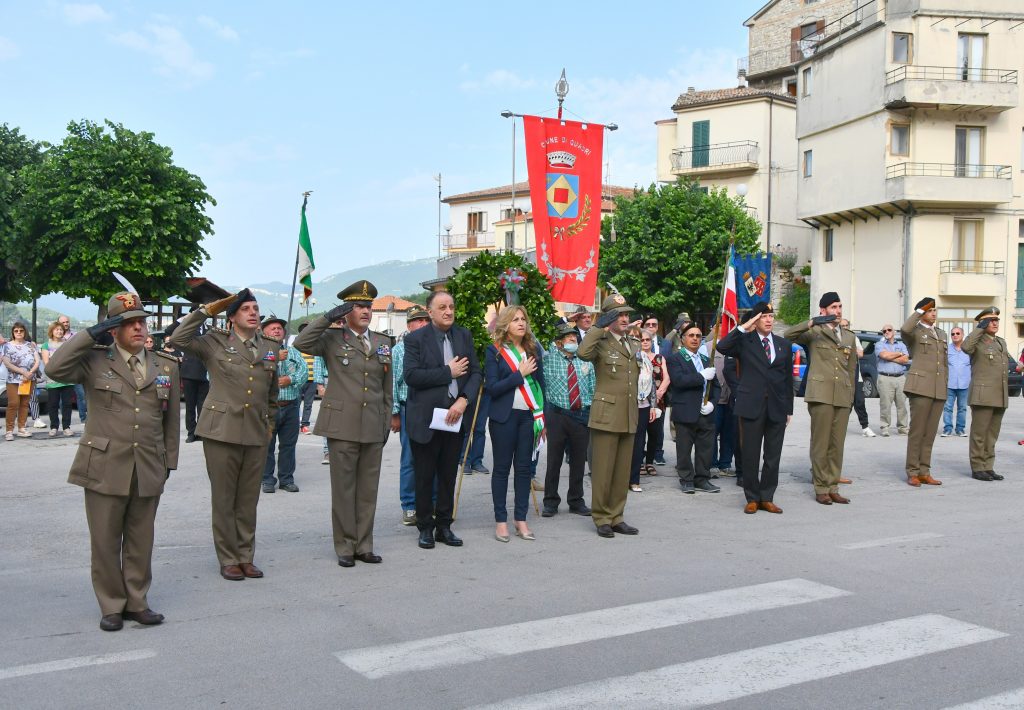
[[891, 541], [71, 663]]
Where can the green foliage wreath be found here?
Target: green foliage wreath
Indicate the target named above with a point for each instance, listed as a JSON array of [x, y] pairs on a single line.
[[476, 285]]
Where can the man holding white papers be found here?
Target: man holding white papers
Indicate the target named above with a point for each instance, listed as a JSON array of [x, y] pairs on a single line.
[[442, 372]]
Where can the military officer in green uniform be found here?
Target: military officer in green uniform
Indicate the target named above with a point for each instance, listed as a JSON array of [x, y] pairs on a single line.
[[988, 397], [355, 415], [831, 377], [613, 413], [926, 384], [128, 449], [236, 421]]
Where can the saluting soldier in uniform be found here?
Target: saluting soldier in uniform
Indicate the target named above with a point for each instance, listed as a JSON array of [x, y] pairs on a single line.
[[926, 384], [988, 397], [128, 449], [831, 377], [613, 414], [355, 415], [236, 422]]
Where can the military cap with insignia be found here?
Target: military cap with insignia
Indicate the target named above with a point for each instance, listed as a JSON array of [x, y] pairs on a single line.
[[416, 313], [615, 303], [360, 292], [564, 328], [273, 319], [127, 305], [991, 312], [759, 308], [243, 296]]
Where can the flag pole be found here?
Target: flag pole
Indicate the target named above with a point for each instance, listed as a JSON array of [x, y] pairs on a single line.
[[295, 271], [721, 308]]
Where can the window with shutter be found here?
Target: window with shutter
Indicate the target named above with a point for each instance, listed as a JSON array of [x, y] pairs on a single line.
[[701, 139]]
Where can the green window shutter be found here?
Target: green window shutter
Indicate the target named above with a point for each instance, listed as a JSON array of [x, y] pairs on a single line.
[[701, 140]]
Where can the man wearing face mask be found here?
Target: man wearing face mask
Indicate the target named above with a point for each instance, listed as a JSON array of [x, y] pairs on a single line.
[[831, 378], [989, 397], [926, 386], [568, 394], [613, 414]]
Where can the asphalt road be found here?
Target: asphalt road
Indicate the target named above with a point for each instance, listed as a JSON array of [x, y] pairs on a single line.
[[906, 598]]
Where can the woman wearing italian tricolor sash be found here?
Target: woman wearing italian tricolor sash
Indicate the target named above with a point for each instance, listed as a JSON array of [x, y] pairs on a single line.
[[514, 378]]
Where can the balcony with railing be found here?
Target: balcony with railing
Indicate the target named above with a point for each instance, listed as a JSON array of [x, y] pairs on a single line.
[[951, 88], [468, 242], [972, 278], [721, 159], [949, 183]]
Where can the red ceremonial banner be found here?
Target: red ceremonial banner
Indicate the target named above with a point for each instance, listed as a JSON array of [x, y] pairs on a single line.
[[563, 159]]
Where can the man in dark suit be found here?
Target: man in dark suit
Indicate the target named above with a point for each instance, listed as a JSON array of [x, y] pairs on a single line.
[[691, 374], [442, 372], [764, 402], [195, 382]]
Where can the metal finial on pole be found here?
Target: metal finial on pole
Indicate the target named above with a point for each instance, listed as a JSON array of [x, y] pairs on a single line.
[[561, 91]]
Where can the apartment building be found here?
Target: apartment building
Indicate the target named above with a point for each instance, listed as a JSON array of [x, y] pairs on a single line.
[[911, 136], [742, 136]]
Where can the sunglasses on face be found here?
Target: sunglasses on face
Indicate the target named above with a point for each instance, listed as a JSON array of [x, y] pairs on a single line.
[[651, 323], [887, 330]]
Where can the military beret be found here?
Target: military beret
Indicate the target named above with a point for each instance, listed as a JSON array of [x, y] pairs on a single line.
[[244, 296], [990, 312], [762, 307], [925, 304], [828, 299], [359, 292]]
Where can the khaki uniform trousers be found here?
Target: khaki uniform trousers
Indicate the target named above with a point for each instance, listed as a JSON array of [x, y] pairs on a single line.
[[236, 473], [890, 389], [355, 473], [609, 475], [121, 535], [985, 425], [925, 415], [828, 440]]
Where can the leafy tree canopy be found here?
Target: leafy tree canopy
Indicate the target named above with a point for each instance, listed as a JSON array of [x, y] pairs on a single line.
[[16, 151], [109, 199], [671, 244], [475, 286]]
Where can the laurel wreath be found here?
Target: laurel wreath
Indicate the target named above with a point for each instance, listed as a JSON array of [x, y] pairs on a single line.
[[580, 224]]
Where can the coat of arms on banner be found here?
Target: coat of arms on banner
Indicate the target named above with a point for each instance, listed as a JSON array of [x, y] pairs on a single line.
[[755, 284]]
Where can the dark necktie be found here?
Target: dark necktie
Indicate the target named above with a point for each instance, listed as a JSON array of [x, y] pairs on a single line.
[[767, 348], [574, 389]]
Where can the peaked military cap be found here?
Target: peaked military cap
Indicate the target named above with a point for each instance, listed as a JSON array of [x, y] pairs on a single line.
[[990, 312], [359, 292], [127, 305]]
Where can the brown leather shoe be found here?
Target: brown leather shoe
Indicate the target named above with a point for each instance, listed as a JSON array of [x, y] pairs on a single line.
[[232, 573], [914, 481], [770, 507], [750, 508], [845, 481], [836, 498], [111, 622], [928, 480], [146, 617], [823, 498], [251, 570]]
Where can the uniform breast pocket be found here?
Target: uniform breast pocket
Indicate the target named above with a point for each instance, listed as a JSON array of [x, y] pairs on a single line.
[[108, 393], [384, 359], [602, 411]]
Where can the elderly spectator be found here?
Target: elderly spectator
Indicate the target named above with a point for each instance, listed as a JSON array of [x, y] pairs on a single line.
[[646, 399], [58, 394], [22, 361], [959, 384], [893, 363], [79, 388]]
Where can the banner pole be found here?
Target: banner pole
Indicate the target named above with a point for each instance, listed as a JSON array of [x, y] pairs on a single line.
[[721, 309], [295, 271]]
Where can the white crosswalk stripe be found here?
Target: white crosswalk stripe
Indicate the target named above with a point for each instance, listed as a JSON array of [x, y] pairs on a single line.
[[881, 542], [477, 645], [773, 667], [70, 663], [1012, 700]]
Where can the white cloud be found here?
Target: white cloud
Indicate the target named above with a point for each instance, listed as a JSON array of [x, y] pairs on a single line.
[[175, 56], [80, 14], [8, 49], [498, 80], [225, 32]]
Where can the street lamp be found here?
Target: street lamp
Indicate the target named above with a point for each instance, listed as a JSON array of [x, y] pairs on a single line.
[[309, 302]]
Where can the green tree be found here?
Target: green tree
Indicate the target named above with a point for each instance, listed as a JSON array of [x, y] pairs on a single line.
[[109, 199], [670, 249], [476, 286], [16, 151]]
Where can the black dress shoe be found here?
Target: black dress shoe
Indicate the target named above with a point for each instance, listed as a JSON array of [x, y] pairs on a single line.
[[605, 531], [446, 536], [290, 488], [624, 529], [687, 487], [426, 539], [995, 476], [580, 511], [368, 557], [190, 438], [346, 561], [548, 512], [706, 487], [111, 622], [981, 476], [147, 617]]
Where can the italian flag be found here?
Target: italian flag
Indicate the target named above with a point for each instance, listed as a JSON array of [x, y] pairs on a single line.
[[306, 264]]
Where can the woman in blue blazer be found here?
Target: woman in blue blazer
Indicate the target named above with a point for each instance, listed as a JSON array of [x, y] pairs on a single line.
[[514, 379]]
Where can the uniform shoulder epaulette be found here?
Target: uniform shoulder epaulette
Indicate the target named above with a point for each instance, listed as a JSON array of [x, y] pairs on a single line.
[[222, 331], [161, 353], [98, 346]]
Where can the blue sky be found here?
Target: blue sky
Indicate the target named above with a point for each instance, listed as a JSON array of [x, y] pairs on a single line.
[[361, 103]]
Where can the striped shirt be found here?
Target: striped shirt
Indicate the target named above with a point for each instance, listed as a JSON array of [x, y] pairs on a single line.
[[556, 379], [401, 390], [295, 368], [309, 366]]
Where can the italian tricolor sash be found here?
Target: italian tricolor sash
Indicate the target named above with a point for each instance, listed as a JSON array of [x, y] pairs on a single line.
[[530, 390]]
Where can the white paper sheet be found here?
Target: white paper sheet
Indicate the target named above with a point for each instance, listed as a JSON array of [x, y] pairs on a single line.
[[438, 423]]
